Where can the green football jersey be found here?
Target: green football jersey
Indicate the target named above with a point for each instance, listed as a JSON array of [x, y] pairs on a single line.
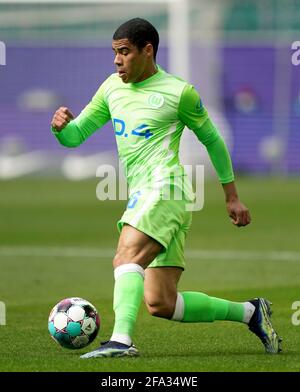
[[148, 119]]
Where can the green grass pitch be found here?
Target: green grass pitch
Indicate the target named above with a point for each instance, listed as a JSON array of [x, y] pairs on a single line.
[[57, 241]]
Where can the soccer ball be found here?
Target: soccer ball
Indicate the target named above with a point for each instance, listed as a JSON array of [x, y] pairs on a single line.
[[74, 323]]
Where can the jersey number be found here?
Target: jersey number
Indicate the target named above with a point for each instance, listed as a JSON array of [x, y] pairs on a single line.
[[134, 199], [120, 129]]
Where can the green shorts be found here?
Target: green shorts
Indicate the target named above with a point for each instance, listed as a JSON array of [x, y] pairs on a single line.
[[167, 221]]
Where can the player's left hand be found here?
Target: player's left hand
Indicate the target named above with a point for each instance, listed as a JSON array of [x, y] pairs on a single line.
[[238, 213]]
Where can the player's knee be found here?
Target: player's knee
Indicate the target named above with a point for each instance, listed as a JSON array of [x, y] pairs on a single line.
[[125, 254], [135, 254], [128, 254], [163, 309]]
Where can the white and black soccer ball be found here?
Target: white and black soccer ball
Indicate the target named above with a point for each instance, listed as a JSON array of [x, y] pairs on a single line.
[[74, 323]]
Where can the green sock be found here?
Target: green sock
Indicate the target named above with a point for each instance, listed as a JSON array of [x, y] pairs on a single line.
[[199, 307], [128, 295]]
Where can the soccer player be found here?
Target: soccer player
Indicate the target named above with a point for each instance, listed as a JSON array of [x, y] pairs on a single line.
[[149, 109]]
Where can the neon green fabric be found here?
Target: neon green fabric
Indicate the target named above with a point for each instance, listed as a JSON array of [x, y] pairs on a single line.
[[70, 136], [194, 115], [148, 120], [199, 307], [128, 295], [219, 156], [167, 221]]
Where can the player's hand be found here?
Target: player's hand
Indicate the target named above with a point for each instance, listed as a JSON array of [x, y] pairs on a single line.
[[238, 213], [61, 118]]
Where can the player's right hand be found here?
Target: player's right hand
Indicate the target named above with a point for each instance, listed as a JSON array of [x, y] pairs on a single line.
[[61, 118]]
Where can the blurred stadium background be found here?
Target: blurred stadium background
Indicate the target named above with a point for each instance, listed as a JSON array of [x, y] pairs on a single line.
[[237, 54]]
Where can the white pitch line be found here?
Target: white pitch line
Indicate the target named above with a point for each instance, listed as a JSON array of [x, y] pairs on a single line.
[[264, 255], [98, 253], [55, 252]]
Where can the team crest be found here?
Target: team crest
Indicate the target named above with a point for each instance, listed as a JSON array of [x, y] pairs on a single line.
[[156, 100]]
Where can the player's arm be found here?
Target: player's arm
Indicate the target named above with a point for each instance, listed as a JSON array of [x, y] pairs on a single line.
[[194, 115], [70, 131]]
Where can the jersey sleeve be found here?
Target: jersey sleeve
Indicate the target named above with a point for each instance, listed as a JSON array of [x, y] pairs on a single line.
[[194, 115], [92, 117]]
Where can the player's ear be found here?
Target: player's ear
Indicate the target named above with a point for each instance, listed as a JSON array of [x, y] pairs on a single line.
[[148, 50]]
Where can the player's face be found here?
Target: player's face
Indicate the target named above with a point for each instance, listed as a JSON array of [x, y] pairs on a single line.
[[131, 62]]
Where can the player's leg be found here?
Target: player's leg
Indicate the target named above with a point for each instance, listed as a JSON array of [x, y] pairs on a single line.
[[136, 247], [163, 300], [161, 290], [134, 252], [188, 306], [256, 313]]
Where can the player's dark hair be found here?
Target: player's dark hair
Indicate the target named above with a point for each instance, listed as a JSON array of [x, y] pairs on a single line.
[[139, 33]]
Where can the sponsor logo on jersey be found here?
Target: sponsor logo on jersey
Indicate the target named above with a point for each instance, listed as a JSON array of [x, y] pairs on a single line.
[[156, 100], [199, 105]]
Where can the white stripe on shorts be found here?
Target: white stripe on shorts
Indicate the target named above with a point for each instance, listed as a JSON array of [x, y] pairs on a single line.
[[152, 196]]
